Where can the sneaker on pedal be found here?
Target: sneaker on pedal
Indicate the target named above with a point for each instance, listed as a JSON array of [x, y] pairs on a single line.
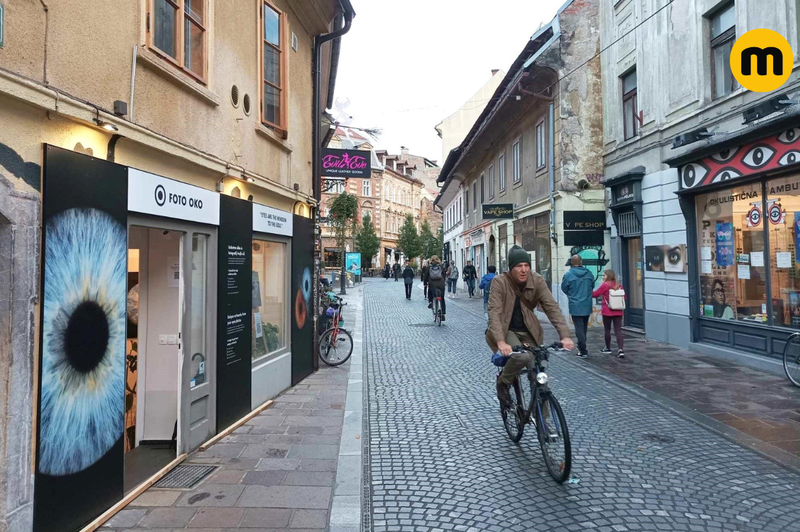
[[443, 317], [605, 351], [430, 305], [503, 394]]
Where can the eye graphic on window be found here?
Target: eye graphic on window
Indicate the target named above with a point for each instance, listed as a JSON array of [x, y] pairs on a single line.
[[789, 136], [790, 157], [725, 155], [692, 174], [758, 156], [726, 174]]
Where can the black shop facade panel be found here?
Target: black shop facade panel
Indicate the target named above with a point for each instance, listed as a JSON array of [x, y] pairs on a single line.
[[741, 200]]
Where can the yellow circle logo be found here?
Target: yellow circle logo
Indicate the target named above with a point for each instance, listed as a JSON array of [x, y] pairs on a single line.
[[761, 60]]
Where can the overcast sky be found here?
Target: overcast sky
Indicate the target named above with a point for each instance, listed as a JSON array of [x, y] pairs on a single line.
[[407, 64]]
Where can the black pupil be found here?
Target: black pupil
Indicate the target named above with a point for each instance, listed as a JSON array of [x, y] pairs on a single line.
[[758, 156], [792, 157], [790, 134], [86, 338]]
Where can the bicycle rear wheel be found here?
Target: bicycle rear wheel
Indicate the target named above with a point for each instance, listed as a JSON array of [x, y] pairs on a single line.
[[513, 415], [553, 437], [335, 350], [791, 359]]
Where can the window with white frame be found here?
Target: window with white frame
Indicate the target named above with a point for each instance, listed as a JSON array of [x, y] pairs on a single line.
[[501, 171], [516, 162], [490, 175], [630, 111], [366, 188], [474, 195], [541, 145]]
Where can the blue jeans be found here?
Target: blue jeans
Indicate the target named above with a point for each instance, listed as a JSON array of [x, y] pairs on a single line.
[[451, 285], [471, 287]]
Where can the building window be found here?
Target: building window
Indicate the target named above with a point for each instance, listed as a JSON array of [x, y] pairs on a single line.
[[179, 34], [366, 188], [541, 146], [501, 172], [516, 170], [269, 297], [474, 195], [365, 213], [723, 35], [273, 67], [483, 188], [466, 202], [629, 108], [490, 171]]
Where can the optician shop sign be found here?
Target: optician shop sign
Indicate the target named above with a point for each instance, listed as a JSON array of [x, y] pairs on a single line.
[[346, 163], [152, 194], [273, 221]]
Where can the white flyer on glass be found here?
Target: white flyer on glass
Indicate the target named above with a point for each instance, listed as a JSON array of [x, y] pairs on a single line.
[[784, 259], [743, 271], [173, 272], [705, 253], [257, 319], [757, 259], [705, 267]]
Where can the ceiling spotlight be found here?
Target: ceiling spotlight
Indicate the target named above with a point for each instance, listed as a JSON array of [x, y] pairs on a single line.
[[105, 125], [251, 180]]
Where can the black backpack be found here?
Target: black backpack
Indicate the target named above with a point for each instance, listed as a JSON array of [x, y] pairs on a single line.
[[435, 273]]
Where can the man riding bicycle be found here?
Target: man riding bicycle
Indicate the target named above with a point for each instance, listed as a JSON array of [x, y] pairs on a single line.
[[436, 275], [512, 322]]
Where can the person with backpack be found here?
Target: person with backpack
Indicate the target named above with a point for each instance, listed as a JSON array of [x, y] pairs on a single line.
[[613, 303], [408, 279], [424, 277], [486, 284], [436, 277], [452, 280], [577, 284]]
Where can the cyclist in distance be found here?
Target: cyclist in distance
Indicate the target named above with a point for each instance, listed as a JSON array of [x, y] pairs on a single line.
[[436, 276], [512, 321]]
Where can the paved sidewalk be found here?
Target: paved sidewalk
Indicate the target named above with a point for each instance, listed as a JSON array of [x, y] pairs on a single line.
[[286, 469], [759, 404]]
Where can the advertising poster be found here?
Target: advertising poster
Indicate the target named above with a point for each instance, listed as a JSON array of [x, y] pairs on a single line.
[[797, 236], [234, 310], [669, 258], [724, 237], [353, 263], [81, 406], [302, 291], [718, 297]]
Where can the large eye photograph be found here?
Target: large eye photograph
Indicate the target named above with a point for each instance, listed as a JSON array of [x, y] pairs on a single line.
[[790, 157], [725, 155], [692, 175], [725, 174], [675, 259], [758, 156], [83, 343]]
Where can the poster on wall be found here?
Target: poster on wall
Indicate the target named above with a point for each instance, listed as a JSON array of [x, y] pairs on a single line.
[[302, 303], [669, 258], [234, 310], [718, 297], [724, 239], [353, 263], [81, 401]]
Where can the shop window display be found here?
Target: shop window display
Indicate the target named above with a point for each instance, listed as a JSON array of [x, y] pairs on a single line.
[[783, 221], [732, 254], [269, 297]]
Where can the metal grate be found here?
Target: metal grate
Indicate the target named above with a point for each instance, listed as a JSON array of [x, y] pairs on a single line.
[[184, 476], [628, 224]]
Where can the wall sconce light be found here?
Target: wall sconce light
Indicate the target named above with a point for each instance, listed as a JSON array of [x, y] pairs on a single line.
[[251, 180], [105, 125]]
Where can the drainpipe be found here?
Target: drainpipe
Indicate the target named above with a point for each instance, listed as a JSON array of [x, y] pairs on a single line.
[[552, 172]]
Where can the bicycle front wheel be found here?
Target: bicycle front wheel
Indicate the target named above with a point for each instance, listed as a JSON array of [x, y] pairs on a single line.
[[513, 415], [553, 435], [791, 359], [335, 347]]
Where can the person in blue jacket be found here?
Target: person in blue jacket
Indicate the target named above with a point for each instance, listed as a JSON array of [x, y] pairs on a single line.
[[577, 284], [486, 283]]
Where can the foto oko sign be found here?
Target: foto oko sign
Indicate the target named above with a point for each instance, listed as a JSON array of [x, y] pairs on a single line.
[[346, 163], [152, 194]]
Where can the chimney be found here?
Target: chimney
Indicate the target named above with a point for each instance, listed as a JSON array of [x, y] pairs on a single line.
[[403, 150], [495, 71]]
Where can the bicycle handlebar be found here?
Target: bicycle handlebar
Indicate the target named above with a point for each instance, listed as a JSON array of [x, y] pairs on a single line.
[[554, 345]]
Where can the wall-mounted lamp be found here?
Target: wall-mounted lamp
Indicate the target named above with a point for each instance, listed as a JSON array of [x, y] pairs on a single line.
[[251, 180], [105, 125]]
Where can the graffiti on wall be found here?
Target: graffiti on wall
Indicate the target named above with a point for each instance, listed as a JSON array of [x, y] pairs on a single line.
[[594, 260]]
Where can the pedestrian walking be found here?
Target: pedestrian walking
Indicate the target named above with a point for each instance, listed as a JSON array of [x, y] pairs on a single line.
[[396, 270], [470, 276], [424, 277], [386, 271], [452, 280], [577, 284], [613, 303], [486, 286], [408, 279], [436, 277]]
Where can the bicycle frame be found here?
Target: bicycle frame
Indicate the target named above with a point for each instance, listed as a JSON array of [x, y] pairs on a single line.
[[539, 363]]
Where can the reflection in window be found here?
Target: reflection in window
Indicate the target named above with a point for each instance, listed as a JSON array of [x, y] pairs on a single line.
[[732, 258], [198, 313], [783, 220], [269, 297]]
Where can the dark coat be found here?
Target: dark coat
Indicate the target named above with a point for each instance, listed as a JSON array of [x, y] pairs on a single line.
[[578, 283]]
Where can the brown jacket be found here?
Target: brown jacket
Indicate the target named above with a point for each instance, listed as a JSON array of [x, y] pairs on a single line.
[[502, 297]]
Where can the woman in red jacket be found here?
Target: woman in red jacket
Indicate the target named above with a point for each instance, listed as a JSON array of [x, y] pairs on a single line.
[[610, 316]]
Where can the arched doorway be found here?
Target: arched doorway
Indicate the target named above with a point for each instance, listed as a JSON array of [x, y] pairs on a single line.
[[491, 260]]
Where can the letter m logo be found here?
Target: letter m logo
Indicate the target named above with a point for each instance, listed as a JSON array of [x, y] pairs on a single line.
[[761, 55]]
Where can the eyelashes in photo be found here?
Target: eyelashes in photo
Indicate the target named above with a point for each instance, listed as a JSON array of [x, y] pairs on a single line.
[[83, 344]]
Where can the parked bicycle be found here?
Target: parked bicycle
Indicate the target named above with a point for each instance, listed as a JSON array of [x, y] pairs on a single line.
[[437, 307], [533, 402], [335, 344], [791, 358]]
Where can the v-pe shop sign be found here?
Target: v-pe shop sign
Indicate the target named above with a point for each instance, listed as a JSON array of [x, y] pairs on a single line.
[[152, 194]]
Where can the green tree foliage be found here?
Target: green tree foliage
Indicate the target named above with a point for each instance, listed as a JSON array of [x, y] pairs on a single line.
[[367, 242], [343, 212], [428, 243], [409, 239]]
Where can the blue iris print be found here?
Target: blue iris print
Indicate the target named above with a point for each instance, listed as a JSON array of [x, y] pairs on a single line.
[[306, 284], [83, 344]]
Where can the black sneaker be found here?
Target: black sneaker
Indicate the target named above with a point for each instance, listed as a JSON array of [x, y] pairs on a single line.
[[443, 317], [605, 351], [582, 355], [620, 354], [430, 305], [503, 394]]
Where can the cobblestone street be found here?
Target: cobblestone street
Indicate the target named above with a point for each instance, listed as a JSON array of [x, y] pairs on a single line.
[[440, 458]]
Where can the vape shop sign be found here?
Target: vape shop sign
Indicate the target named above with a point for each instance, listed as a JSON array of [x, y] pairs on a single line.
[[152, 194], [346, 163]]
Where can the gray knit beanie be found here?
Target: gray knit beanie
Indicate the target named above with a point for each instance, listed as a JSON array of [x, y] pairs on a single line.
[[517, 255]]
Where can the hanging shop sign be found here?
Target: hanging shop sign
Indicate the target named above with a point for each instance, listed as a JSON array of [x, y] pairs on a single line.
[[346, 163], [778, 151], [624, 193], [152, 194], [498, 211], [234, 311], [584, 228], [272, 221]]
